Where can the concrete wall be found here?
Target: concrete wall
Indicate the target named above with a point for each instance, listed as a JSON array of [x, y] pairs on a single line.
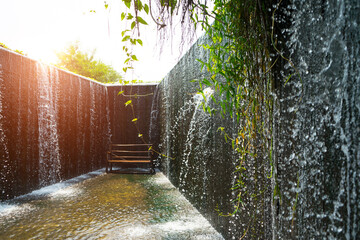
[[55, 125]]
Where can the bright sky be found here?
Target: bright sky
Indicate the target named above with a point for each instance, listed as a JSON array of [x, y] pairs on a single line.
[[41, 27]]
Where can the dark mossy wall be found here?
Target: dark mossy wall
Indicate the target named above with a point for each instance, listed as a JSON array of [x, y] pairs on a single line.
[[55, 125]]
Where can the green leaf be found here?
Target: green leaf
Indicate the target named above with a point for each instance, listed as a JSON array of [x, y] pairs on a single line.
[[134, 58], [126, 38], [128, 103], [128, 4], [133, 24], [122, 34], [134, 120], [129, 17], [140, 20], [122, 16], [139, 5], [213, 98], [206, 82], [287, 79], [106, 5], [146, 8], [140, 135], [121, 92], [124, 69], [139, 41]]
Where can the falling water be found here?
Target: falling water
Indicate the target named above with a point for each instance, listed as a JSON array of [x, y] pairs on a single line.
[[49, 155], [108, 127], [154, 124], [93, 127], [197, 131], [80, 140], [315, 140], [4, 152], [166, 127], [54, 125], [318, 159]]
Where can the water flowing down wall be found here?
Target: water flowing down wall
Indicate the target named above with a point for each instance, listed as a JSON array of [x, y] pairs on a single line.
[[317, 127], [55, 125], [199, 160], [314, 189]]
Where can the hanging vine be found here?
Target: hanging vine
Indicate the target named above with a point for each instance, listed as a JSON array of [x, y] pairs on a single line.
[[240, 49]]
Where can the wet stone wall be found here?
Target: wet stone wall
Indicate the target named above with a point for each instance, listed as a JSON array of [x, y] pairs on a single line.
[[314, 189], [55, 125], [199, 161], [317, 123]]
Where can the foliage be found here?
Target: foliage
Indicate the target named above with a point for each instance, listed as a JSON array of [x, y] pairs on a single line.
[[16, 50], [74, 60]]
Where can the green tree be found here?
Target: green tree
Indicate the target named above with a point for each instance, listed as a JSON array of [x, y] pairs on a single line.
[[82, 63]]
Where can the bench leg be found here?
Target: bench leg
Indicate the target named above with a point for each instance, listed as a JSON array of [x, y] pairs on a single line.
[[107, 165]]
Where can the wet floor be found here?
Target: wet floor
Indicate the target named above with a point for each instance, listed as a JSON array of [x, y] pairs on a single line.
[[105, 206]]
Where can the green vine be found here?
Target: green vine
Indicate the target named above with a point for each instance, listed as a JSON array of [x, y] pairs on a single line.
[[239, 67], [241, 42], [134, 120]]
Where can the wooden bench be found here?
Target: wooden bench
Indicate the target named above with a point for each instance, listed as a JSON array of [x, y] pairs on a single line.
[[129, 155]]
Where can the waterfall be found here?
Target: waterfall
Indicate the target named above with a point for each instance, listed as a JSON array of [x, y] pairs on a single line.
[[80, 140], [49, 154], [196, 133], [54, 125], [108, 128], [5, 170], [154, 128], [165, 129], [318, 159], [154, 115], [93, 126]]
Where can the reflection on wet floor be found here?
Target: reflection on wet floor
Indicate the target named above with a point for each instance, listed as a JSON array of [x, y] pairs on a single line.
[[108, 206]]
